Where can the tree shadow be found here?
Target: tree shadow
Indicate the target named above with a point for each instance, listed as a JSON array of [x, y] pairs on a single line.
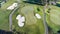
[[5, 32], [17, 32], [58, 5], [9, 32], [37, 2], [58, 32]]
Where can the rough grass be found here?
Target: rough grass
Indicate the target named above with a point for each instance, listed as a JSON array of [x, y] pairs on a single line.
[[4, 24], [4, 15]]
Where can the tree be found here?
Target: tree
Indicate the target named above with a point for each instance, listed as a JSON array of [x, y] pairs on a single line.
[[0, 4]]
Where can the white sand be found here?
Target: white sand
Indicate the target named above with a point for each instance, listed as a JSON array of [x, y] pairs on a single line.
[[21, 20], [38, 16], [14, 5]]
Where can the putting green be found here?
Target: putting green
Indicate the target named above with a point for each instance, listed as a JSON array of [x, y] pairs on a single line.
[[28, 12]]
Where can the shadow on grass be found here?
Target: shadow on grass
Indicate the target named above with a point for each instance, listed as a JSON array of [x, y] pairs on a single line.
[[5, 32], [58, 5], [9, 32], [58, 32], [33, 2]]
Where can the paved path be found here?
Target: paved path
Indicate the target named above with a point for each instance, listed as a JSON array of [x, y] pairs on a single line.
[[44, 21], [10, 18], [45, 24]]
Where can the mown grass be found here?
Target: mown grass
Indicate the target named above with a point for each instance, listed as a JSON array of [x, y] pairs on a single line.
[[53, 24], [58, 2], [37, 28], [28, 12], [4, 15]]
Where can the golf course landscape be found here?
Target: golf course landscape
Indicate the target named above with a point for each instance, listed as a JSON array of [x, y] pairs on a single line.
[[53, 18], [33, 17], [32, 24], [4, 15]]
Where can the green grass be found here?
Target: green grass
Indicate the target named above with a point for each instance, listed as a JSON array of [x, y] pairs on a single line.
[[54, 15], [58, 2], [53, 18], [4, 24], [4, 15], [33, 27], [28, 12]]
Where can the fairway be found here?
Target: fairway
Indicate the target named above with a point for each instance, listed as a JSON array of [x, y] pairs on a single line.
[[55, 15], [53, 19], [28, 12]]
